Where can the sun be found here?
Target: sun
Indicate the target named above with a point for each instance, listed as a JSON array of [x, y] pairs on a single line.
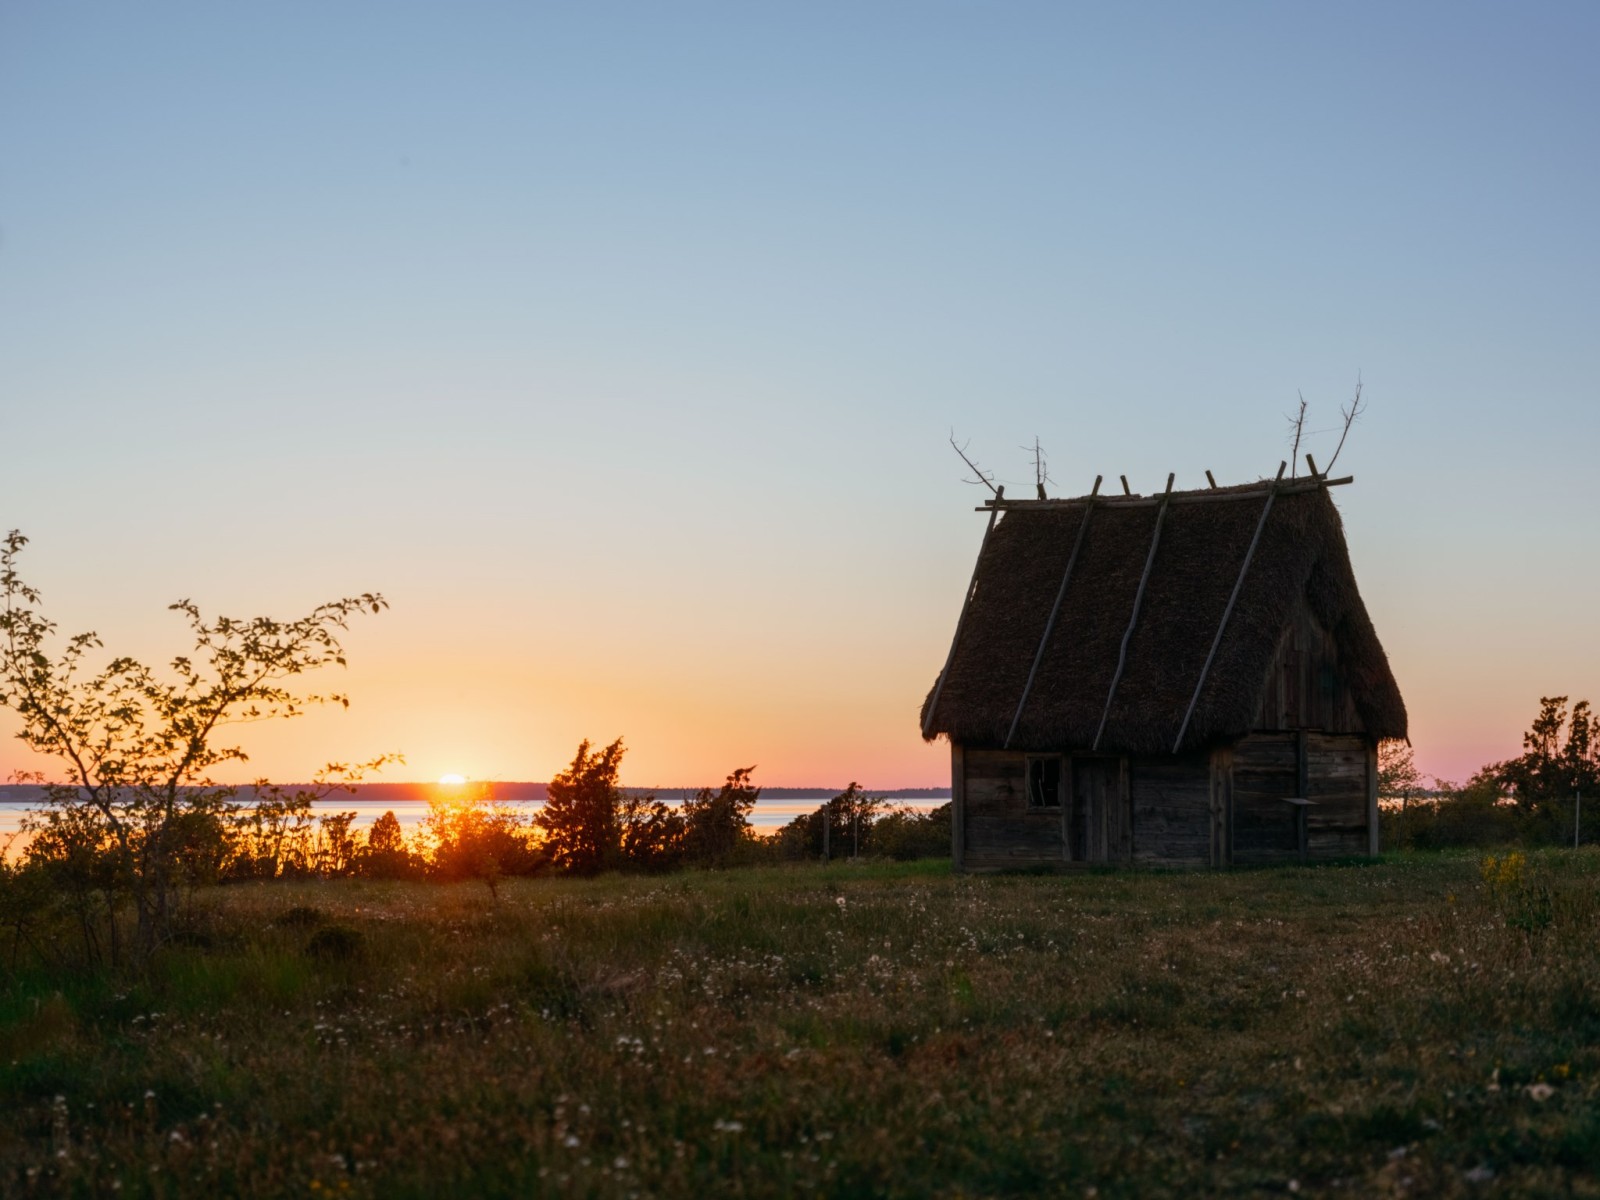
[[452, 780]]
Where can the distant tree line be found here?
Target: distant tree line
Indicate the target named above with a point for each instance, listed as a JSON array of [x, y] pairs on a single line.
[[74, 874], [1548, 795], [120, 847]]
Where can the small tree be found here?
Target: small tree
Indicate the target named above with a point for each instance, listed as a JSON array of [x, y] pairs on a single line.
[[651, 834], [386, 855], [717, 824], [856, 811], [472, 835], [1545, 777], [580, 818], [1397, 769], [138, 750]]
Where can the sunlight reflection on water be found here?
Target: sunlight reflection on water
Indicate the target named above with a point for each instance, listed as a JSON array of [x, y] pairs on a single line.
[[769, 815]]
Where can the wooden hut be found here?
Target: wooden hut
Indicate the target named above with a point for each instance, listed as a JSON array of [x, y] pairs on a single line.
[[1183, 678]]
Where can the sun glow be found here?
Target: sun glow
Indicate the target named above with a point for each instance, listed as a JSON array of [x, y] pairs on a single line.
[[452, 780]]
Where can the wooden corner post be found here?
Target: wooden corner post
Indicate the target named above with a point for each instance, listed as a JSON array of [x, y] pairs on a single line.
[[958, 806], [1373, 848]]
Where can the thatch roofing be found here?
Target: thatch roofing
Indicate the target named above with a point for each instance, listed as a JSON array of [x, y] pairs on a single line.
[[1203, 543]]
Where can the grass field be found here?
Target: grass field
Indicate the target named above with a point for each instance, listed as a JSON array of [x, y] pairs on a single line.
[[1408, 1027]]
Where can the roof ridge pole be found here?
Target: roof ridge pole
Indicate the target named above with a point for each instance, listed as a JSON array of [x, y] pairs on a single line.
[[1221, 495], [1138, 600], [1228, 611], [1049, 626], [955, 640]]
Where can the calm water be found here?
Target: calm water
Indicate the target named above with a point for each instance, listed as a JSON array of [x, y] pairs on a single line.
[[768, 816]]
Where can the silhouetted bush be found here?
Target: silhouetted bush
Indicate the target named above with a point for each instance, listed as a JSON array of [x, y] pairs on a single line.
[[858, 826], [336, 943], [905, 833]]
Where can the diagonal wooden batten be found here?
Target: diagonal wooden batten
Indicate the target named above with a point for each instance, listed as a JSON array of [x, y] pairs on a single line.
[[1138, 600], [1228, 611], [938, 687], [1049, 626]]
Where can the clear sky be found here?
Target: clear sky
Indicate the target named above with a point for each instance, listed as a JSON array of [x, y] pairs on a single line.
[[618, 344]]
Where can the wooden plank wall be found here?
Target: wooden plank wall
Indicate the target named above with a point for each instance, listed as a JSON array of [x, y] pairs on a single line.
[[1000, 830], [1306, 687], [1192, 810], [1265, 773], [1268, 768], [1118, 815], [1336, 770], [1222, 806], [1100, 814], [1171, 798]]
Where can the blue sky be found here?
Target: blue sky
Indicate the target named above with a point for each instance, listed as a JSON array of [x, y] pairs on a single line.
[[618, 344]]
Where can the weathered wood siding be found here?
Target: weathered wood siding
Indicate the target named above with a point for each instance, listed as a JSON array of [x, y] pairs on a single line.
[[1306, 687], [1099, 829], [1336, 771], [1265, 774], [1330, 770], [1171, 798], [1222, 806], [999, 829], [1210, 809]]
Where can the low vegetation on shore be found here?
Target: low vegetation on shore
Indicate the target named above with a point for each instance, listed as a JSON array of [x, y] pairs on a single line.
[[1424, 1025]]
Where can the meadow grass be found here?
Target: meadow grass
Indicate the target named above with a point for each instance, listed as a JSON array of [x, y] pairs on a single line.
[[1423, 1025]]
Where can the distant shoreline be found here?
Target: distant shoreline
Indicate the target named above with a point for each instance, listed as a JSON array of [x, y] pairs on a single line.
[[409, 801], [14, 793]]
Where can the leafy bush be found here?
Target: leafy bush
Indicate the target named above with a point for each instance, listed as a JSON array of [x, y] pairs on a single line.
[[904, 833]]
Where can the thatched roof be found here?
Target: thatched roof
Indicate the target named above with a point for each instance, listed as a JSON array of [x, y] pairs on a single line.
[[1203, 543]]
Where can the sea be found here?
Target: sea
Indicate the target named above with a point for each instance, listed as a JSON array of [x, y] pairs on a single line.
[[775, 807]]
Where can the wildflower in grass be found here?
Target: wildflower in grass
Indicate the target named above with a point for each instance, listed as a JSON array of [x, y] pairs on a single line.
[[1540, 1091]]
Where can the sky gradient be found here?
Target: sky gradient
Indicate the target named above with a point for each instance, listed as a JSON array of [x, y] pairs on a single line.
[[617, 345]]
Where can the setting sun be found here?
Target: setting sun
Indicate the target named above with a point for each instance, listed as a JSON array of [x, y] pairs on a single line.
[[452, 780]]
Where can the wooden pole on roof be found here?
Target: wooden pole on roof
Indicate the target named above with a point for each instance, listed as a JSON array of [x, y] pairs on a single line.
[[1312, 463], [1126, 490], [1049, 626], [955, 641], [1211, 479], [1289, 487], [1138, 600], [1227, 612]]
